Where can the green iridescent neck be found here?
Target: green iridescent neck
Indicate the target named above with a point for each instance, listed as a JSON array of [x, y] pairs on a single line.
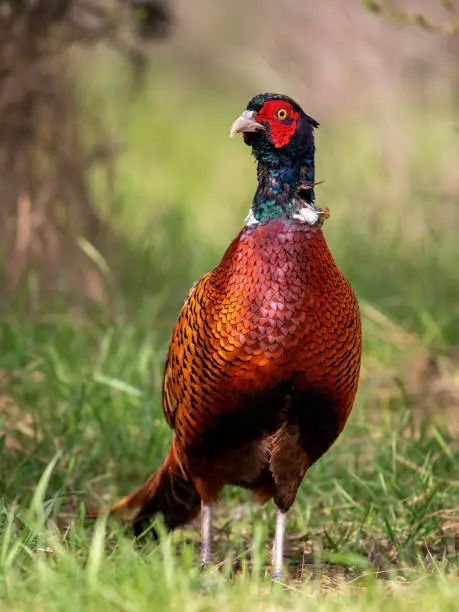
[[282, 191]]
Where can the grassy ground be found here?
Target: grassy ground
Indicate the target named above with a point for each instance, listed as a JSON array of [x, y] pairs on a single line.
[[375, 523]]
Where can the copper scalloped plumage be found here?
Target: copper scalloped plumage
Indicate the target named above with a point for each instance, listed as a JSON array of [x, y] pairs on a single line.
[[267, 343]]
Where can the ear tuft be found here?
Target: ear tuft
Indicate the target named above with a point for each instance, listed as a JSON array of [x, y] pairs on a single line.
[[313, 122]]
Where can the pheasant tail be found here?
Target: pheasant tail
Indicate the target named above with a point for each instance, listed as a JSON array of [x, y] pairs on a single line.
[[169, 491]]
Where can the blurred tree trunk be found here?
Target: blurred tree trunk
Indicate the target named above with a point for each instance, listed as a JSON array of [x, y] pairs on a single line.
[[45, 199]]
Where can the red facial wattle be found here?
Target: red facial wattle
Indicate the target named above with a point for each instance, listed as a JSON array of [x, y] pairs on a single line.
[[281, 130]]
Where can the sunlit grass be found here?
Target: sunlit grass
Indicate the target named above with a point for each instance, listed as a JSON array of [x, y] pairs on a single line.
[[379, 507]]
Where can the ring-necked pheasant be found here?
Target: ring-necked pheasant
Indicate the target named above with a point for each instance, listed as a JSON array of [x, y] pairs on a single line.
[[263, 365]]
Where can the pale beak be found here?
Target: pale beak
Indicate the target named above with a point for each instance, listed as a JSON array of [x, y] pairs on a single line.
[[246, 123]]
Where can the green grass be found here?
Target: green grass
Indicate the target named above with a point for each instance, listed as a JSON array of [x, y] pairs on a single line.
[[376, 514], [375, 524]]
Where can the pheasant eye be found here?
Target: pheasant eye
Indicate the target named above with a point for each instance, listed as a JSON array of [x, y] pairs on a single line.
[[281, 114]]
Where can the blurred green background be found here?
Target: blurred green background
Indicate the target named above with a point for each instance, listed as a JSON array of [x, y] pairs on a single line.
[[128, 189], [94, 277]]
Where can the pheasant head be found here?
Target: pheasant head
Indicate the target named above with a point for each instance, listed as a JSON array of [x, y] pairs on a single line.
[[282, 140]]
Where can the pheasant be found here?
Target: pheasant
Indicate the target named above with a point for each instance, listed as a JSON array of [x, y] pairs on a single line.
[[264, 360]]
